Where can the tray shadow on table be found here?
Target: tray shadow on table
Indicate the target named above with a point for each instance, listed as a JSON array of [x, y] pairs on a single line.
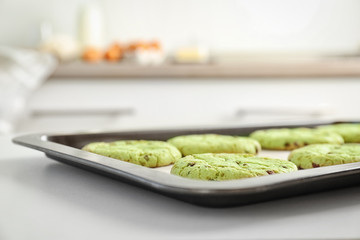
[[113, 199]]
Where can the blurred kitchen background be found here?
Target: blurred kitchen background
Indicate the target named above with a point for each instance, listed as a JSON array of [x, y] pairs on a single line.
[[117, 65]]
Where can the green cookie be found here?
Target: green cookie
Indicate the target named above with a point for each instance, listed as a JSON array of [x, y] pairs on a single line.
[[292, 138], [228, 166], [141, 152], [214, 143], [349, 131], [319, 155]]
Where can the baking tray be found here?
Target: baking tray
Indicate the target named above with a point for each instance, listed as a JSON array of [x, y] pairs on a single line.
[[66, 148]]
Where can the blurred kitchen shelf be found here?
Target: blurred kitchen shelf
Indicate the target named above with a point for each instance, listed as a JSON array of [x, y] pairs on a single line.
[[313, 67]]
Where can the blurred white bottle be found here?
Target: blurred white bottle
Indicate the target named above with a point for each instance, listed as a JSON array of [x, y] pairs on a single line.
[[91, 26]]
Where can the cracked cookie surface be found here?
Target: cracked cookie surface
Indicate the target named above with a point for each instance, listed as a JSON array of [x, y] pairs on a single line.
[[293, 138], [319, 155], [140, 152], [214, 143], [228, 166]]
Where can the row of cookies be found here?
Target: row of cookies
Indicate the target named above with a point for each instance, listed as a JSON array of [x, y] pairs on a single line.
[[289, 139], [160, 153], [219, 157], [205, 156], [326, 144]]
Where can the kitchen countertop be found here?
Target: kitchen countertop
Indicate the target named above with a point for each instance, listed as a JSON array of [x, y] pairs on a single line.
[[43, 199], [243, 68]]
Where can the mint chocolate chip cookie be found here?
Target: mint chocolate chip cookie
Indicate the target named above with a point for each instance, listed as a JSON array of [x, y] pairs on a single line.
[[214, 143], [349, 131], [319, 155], [228, 166], [292, 138], [140, 152]]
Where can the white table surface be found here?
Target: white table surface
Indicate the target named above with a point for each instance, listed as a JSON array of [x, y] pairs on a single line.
[[43, 199]]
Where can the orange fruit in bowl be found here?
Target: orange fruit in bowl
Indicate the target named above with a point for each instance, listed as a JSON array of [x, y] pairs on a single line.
[[114, 53], [92, 54]]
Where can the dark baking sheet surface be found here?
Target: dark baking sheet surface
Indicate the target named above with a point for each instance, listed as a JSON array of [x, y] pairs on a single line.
[[66, 148]]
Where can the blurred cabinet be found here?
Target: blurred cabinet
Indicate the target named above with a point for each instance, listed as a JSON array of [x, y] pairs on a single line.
[[64, 104]]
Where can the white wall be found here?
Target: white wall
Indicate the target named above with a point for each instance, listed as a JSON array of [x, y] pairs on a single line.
[[324, 26]]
